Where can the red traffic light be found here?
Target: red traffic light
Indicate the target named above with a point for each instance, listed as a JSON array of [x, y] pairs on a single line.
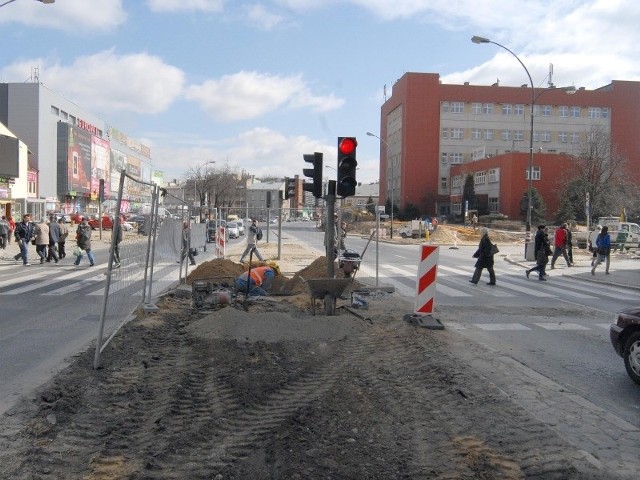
[[347, 145]]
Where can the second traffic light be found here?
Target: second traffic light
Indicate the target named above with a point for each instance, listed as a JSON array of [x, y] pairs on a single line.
[[314, 173], [346, 184], [289, 188]]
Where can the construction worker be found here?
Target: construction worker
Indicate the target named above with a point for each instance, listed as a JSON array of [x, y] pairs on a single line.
[[260, 282]]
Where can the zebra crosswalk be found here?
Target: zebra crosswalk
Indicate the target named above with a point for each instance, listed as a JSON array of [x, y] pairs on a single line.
[[452, 282]]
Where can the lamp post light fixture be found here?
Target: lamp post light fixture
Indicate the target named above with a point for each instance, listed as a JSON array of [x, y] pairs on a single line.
[[392, 176], [46, 2]]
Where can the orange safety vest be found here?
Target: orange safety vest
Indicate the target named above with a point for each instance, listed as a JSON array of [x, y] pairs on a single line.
[[258, 275]]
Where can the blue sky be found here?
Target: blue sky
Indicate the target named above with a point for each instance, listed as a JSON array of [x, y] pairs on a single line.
[[254, 85]]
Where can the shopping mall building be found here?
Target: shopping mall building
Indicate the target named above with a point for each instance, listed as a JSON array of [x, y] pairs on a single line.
[[433, 135], [53, 154]]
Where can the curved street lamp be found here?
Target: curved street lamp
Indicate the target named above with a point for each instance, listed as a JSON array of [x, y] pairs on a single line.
[[392, 179], [534, 97], [46, 2]]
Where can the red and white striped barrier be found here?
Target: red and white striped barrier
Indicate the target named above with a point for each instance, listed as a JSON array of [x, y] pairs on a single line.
[[220, 242], [426, 284]]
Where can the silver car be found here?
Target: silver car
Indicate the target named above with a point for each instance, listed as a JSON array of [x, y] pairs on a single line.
[[232, 229]]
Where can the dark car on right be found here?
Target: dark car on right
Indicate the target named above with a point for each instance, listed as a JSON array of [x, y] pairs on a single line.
[[625, 338]]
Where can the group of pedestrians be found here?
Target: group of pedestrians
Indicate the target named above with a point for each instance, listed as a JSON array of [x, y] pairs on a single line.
[[50, 238]]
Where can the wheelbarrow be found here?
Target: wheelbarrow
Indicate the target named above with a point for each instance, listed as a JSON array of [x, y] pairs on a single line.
[[327, 289]]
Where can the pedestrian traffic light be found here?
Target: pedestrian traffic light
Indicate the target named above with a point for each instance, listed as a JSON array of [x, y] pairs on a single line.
[[346, 183], [289, 187], [314, 173]]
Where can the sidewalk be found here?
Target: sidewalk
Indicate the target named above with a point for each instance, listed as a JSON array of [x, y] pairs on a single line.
[[624, 270]]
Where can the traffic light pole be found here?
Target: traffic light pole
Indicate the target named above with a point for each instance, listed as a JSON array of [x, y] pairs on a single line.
[[331, 228]]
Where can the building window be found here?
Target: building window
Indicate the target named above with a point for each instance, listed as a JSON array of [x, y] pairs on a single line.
[[564, 111], [443, 183], [493, 204], [456, 158], [480, 178], [55, 110], [445, 107], [506, 109], [506, 135], [536, 173], [575, 137], [518, 135], [475, 134], [518, 109], [476, 108], [574, 112], [457, 107], [488, 134], [445, 132], [457, 133], [605, 112], [536, 136], [546, 110], [487, 108], [456, 208], [546, 136], [493, 175], [72, 120], [456, 181], [444, 159], [64, 115], [562, 137]]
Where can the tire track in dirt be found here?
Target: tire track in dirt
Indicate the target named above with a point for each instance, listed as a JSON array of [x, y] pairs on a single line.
[[513, 446]]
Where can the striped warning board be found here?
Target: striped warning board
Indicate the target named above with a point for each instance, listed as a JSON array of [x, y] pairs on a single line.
[[220, 242], [426, 284]]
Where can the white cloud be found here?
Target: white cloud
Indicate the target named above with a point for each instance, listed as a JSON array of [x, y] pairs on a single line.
[[248, 95], [74, 16], [258, 15], [185, 5], [106, 82]]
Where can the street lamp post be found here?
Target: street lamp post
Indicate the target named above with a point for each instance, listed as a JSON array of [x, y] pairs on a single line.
[[476, 39], [392, 179], [46, 2]]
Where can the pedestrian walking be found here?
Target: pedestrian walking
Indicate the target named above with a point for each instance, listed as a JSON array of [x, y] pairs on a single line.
[[252, 239], [54, 238], [603, 250], [186, 245], [541, 250], [4, 232], [42, 239], [23, 234], [12, 227], [570, 245], [117, 231], [83, 238], [560, 246], [593, 236], [484, 254], [64, 233]]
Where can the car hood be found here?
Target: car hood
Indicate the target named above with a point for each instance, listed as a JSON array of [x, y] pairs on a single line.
[[631, 311]]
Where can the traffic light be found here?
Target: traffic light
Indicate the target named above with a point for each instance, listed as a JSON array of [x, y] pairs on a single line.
[[289, 187], [315, 173], [346, 184], [101, 190]]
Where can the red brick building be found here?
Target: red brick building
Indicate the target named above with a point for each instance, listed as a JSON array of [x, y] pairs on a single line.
[[428, 128]]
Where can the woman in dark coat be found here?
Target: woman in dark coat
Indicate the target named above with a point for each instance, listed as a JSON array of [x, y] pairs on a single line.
[[485, 259]]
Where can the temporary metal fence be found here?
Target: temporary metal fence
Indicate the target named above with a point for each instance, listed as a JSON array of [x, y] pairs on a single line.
[[145, 260]]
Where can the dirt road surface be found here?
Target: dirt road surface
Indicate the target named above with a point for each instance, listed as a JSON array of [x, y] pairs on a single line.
[[275, 393]]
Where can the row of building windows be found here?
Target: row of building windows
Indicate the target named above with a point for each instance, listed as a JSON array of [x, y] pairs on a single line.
[[488, 176], [563, 111], [509, 135]]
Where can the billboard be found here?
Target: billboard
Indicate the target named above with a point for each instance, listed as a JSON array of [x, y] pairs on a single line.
[[79, 161], [9, 156]]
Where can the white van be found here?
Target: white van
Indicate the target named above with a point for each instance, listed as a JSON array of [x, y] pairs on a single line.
[[240, 224]]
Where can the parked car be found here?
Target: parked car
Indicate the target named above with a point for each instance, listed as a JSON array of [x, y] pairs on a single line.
[[212, 228], [625, 338], [107, 222], [232, 228]]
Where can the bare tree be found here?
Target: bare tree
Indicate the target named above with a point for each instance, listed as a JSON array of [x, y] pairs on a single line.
[[602, 172]]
